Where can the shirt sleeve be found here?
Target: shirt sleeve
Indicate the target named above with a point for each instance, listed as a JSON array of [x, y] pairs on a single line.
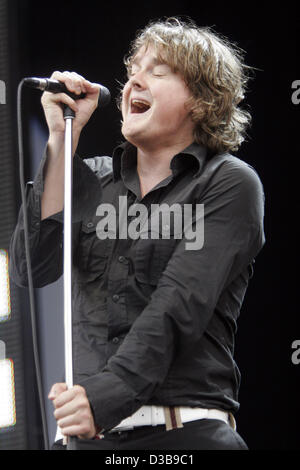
[[46, 236], [186, 295]]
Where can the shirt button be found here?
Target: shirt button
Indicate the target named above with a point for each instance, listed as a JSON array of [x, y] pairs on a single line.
[[122, 259], [115, 340], [90, 224], [115, 297]]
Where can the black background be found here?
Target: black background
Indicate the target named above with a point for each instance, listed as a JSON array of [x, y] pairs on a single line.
[[91, 38]]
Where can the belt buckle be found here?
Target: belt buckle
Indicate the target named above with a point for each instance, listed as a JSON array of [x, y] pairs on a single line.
[[122, 428], [172, 417]]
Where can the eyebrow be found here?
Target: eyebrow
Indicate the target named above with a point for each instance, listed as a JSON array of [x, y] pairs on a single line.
[[137, 59]]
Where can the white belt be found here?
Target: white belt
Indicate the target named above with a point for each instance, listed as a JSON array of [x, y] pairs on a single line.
[[156, 415]]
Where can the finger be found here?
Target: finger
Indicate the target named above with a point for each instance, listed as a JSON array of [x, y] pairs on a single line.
[[82, 431], [67, 421], [58, 98], [92, 88], [63, 77], [78, 81], [70, 401], [70, 80], [56, 389], [67, 409], [76, 424], [69, 415]]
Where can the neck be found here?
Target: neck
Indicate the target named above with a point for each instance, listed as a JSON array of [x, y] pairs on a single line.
[[156, 162]]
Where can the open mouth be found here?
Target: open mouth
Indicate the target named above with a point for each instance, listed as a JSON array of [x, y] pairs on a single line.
[[139, 106]]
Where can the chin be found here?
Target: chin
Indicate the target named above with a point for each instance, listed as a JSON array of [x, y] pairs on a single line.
[[132, 136]]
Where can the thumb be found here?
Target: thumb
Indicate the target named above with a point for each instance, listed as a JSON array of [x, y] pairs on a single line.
[[56, 389]]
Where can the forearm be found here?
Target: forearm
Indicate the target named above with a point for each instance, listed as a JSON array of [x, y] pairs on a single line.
[[44, 243], [45, 236], [53, 194], [52, 200]]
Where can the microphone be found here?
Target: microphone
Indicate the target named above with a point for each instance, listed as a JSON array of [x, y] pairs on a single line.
[[54, 86]]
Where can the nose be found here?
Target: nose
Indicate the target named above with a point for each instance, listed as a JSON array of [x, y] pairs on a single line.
[[138, 80]]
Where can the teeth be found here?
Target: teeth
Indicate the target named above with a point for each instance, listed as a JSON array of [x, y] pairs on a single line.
[[140, 102], [139, 106]]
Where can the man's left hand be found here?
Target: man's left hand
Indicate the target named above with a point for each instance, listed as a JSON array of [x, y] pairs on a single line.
[[72, 411]]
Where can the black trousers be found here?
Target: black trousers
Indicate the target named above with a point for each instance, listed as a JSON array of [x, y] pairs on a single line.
[[205, 434]]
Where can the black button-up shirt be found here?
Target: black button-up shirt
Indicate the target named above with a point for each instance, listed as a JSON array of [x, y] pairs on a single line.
[[153, 320]]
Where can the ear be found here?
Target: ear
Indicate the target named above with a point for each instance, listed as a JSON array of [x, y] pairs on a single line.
[[197, 109]]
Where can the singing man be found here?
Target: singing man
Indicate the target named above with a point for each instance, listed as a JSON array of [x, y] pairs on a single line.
[[153, 322]]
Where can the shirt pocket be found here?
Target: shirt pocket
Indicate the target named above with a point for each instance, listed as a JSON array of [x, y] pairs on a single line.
[[92, 253], [154, 249]]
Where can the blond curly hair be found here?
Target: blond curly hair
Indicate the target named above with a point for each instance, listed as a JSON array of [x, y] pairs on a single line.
[[213, 70]]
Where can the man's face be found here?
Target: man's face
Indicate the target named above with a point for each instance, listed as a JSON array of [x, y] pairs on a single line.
[[154, 104]]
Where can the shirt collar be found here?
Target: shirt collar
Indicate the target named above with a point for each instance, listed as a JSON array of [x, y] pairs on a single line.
[[124, 157]]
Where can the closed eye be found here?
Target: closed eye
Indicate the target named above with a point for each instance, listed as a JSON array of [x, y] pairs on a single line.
[[159, 74], [161, 70], [157, 70]]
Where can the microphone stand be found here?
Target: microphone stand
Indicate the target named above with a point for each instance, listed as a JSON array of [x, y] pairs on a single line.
[[69, 115]]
